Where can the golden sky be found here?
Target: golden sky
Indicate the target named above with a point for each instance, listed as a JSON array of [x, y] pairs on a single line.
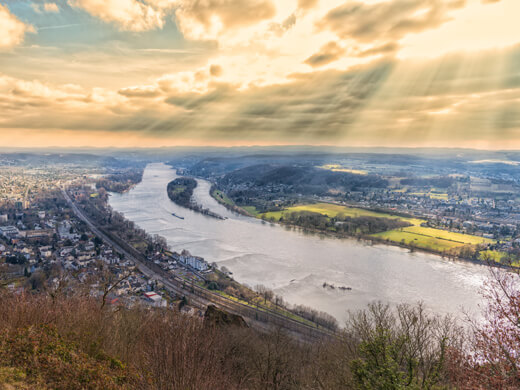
[[147, 73]]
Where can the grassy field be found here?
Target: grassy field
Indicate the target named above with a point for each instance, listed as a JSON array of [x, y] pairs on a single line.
[[432, 239], [222, 197], [416, 235], [440, 196], [251, 210], [332, 210], [449, 236], [339, 168], [431, 195], [495, 256], [420, 241]]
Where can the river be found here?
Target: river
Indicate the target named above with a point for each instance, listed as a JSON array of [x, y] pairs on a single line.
[[294, 264]]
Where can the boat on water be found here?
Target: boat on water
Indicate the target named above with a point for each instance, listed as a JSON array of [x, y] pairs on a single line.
[[178, 216]]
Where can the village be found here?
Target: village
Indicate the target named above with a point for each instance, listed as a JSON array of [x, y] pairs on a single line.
[[44, 246]]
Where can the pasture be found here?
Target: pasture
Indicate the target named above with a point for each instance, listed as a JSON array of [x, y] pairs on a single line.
[[437, 240], [339, 168], [333, 210], [432, 239], [222, 198]]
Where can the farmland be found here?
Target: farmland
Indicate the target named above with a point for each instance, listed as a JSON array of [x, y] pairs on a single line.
[[339, 168], [432, 239], [333, 210], [417, 240]]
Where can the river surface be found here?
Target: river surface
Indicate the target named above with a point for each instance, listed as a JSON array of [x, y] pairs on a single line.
[[294, 264]]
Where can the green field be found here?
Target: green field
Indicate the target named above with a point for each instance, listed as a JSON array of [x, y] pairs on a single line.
[[432, 239], [431, 195], [339, 168], [447, 235], [420, 241], [418, 236], [222, 197], [442, 196], [495, 256], [251, 210], [332, 210]]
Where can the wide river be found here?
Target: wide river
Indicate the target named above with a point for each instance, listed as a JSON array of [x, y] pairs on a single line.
[[295, 265]]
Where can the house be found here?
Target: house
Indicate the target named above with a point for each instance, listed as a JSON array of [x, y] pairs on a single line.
[[155, 299]]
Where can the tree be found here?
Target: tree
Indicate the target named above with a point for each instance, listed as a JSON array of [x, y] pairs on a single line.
[[401, 348], [493, 360], [264, 292]]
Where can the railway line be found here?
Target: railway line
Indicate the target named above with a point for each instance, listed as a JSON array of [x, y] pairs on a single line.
[[199, 296]]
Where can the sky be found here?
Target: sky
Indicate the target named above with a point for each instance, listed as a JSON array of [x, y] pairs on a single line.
[[153, 73]]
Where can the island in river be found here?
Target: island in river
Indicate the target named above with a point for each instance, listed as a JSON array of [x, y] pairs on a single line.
[[180, 191], [295, 264]]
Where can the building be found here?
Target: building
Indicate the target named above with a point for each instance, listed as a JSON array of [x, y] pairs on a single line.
[[195, 262], [9, 231], [38, 233], [155, 299]]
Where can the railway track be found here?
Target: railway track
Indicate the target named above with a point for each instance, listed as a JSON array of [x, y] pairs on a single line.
[[199, 296]]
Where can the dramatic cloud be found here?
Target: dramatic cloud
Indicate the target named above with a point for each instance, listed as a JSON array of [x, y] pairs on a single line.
[[12, 31], [387, 21], [132, 15], [372, 72]]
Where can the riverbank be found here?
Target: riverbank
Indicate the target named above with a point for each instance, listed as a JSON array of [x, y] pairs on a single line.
[[222, 199], [459, 252], [371, 240], [295, 265]]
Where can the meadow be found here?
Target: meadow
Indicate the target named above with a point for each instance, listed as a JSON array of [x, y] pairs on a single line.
[[432, 239], [222, 197], [339, 168], [418, 236]]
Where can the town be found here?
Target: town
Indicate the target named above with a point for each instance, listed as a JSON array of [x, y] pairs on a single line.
[[62, 236]]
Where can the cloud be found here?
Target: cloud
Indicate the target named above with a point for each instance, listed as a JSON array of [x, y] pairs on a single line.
[[208, 19], [131, 15], [307, 4], [51, 7], [13, 30], [382, 103], [45, 7], [387, 48], [388, 21], [327, 54], [140, 92], [215, 70], [274, 71]]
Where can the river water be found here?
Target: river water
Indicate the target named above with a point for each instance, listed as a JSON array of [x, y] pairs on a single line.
[[294, 264]]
